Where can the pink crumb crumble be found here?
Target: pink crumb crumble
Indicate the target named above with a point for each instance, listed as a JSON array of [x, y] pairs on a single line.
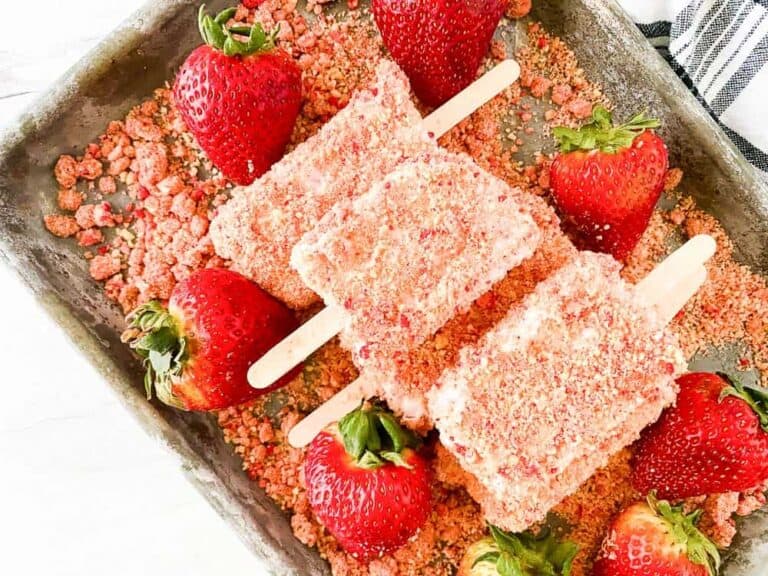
[[107, 185], [151, 162], [69, 199], [66, 171], [85, 217], [90, 237], [518, 8], [104, 266], [561, 93], [89, 168], [61, 226]]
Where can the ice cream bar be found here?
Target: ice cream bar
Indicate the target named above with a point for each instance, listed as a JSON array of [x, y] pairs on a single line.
[[420, 247], [564, 381]]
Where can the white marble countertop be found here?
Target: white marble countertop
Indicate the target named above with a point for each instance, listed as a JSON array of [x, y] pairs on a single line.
[[82, 489]]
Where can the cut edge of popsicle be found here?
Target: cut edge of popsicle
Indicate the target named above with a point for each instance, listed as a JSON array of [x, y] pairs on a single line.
[[296, 347]]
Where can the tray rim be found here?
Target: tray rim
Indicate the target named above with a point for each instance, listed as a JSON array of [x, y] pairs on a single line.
[[43, 110]]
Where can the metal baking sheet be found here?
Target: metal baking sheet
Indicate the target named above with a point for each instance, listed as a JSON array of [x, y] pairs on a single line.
[[144, 52]]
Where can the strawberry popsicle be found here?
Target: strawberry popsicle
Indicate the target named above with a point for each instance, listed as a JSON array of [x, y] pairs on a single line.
[[404, 381], [420, 247], [260, 225], [564, 381]]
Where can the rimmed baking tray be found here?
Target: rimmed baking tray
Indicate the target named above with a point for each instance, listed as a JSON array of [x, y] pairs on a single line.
[[144, 52]]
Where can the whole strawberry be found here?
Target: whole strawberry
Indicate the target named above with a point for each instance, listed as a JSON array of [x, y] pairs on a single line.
[[655, 539], [714, 440], [607, 179], [197, 351], [439, 44], [239, 96], [525, 554], [367, 484]]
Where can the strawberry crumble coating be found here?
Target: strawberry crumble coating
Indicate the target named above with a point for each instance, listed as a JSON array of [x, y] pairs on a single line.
[[262, 223], [518, 410], [157, 246], [420, 247], [61, 226], [404, 381]]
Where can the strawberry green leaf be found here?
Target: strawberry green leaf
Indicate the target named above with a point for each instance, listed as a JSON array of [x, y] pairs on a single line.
[[481, 558], [400, 437], [358, 431], [149, 317], [601, 134], [161, 362], [682, 527], [154, 335], [602, 117], [369, 461], [218, 35], [562, 555], [225, 15], [396, 458], [212, 33], [149, 380], [509, 565], [532, 554], [257, 37], [373, 438], [491, 557], [159, 340]]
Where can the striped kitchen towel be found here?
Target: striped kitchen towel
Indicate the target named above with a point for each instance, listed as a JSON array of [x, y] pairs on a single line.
[[720, 50]]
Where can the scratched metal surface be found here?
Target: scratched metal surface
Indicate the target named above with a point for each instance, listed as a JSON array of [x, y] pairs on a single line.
[[145, 51]]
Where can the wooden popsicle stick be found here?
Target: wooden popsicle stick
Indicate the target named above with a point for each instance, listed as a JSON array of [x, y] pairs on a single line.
[[681, 293], [326, 324], [680, 277], [296, 347], [682, 263], [472, 97]]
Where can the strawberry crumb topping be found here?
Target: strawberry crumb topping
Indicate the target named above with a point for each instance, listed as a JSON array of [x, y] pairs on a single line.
[[61, 226], [70, 199]]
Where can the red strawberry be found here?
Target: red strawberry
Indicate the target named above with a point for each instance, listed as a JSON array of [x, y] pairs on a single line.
[[656, 539], [366, 484], [714, 440], [439, 44], [197, 351], [239, 97], [607, 179]]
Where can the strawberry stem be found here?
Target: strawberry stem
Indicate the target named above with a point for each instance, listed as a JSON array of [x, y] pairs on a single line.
[[218, 35], [524, 554], [373, 437], [601, 134], [700, 549], [755, 396], [154, 334]]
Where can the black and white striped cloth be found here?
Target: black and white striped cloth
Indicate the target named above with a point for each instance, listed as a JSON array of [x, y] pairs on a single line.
[[720, 50]]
